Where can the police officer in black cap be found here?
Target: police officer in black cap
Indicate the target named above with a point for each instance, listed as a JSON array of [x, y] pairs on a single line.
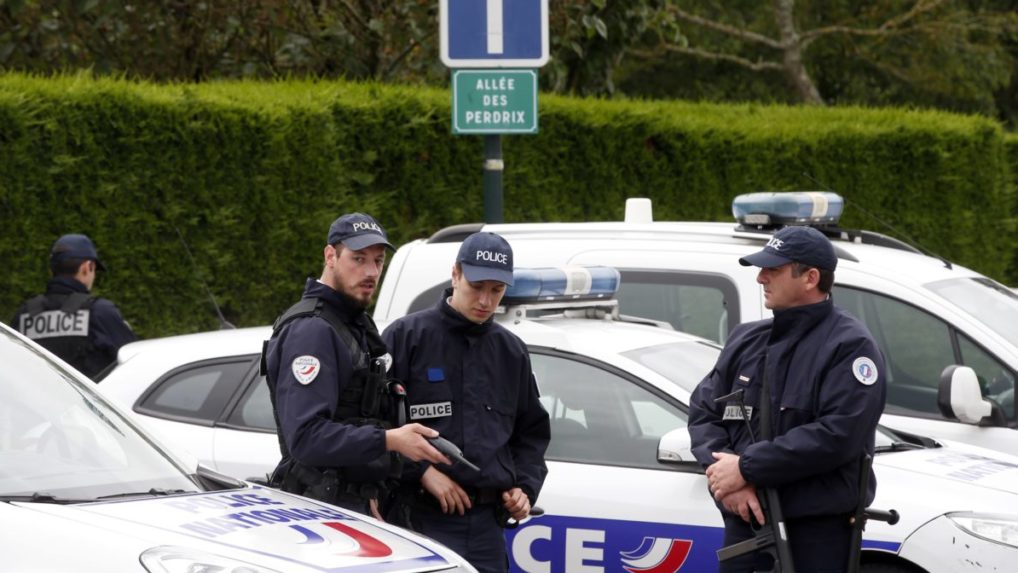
[[84, 330], [471, 379], [813, 383], [338, 414]]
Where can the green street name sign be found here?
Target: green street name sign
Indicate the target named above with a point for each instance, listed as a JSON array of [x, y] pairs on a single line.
[[494, 101]]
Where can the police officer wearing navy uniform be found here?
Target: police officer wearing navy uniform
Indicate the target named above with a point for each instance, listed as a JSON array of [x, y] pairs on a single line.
[[471, 379], [84, 330], [825, 379], [338, 414]]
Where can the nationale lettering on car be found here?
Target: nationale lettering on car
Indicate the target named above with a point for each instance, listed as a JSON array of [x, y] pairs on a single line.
[[435, 410]]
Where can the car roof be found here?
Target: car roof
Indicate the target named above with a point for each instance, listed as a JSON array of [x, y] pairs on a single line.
[[199, 346]]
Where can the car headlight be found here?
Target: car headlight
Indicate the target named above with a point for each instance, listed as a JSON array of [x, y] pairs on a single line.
[[168, 559], [997, 528]]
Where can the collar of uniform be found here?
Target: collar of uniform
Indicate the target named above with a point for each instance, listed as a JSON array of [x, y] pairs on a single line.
[[457, 322], [798, 319], [347, 307], [64, 285]]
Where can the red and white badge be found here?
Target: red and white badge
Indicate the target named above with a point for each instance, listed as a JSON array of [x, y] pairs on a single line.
[[305, 368], [865, 370]]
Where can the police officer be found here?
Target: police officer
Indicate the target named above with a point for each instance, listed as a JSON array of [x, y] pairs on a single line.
[[338, 415], [814, 386], [471, 379], [84, 330]]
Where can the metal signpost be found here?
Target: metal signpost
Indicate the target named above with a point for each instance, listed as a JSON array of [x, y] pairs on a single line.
[[492, 35]]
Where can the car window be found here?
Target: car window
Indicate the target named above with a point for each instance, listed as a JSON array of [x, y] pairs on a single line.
[[698, 303], [600, 417], [917, 347], [196, 393], [254, 409]]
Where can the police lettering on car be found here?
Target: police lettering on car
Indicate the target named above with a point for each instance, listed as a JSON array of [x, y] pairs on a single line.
[[470, 379], [340, 418], [812, 383], [84, 330]]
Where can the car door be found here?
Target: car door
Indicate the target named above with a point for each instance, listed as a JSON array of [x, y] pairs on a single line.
[[609, 504]]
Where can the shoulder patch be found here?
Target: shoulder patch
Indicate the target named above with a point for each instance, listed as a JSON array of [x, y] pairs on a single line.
[[865, 370], [306, 368]]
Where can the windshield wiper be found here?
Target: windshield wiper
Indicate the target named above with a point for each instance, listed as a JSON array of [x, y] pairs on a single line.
[[42, 497], [150, 493], [898, 447]]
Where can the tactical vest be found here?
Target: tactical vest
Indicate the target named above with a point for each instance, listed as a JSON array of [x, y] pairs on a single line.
[[366, 399], [60, 324]]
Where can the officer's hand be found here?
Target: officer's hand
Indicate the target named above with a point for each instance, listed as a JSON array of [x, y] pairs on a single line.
[[744, 502], [516, 503], [409, 441], [724, 475], [448, 493]]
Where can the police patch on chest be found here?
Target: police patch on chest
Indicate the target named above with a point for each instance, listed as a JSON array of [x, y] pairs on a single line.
[[436, 410], [305, 368], [734, 412]]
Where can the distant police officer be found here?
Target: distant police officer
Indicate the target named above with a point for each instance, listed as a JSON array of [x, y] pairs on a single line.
[[84, 330], [471, 379], [824, 377], [338, 415]]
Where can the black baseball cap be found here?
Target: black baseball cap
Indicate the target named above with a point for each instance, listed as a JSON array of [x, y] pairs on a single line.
[[357, 231], [75, 246], [486, 257], [798, 244]]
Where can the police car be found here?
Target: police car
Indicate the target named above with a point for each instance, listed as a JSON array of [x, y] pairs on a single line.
[[926, 313], [82, 488], [616, 389]]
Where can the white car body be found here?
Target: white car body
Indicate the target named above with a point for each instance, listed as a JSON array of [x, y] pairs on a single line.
[[609, 504], [920, 330], [83, 488]]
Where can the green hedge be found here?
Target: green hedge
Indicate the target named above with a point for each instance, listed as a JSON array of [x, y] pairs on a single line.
[[251, 175]]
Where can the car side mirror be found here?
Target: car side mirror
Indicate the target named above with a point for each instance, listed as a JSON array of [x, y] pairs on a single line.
[[676, 449], [959, 397]]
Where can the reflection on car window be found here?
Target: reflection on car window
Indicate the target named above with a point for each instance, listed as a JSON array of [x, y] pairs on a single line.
[[684, 363], [254, 411], [917, 347], [599, 417], [57, 437], [196, 393], [698, 303]]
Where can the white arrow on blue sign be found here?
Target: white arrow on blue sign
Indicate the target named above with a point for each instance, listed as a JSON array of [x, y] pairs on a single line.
[[494, 33]]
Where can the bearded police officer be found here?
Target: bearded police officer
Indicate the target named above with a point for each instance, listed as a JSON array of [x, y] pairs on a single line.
[[813, 383], [84, 330], [471, 379], [339, 416]]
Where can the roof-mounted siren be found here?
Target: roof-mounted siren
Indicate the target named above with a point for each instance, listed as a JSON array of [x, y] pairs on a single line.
[[769, 210], [556, 284], [639, 210]]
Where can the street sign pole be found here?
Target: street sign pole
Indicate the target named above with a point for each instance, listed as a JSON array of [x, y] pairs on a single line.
[[494, 34], [493, 166]]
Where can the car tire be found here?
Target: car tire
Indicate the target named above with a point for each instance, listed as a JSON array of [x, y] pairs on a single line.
[[887, 568]]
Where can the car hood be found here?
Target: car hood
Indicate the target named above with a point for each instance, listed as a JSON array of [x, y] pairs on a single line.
[[959, 463], [256, 526]]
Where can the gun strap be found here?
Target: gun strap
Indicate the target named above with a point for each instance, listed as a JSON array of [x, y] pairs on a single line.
[[765, 402]]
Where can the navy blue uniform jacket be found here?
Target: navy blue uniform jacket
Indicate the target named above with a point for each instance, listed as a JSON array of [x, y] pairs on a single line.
[[827, 380], [306, 410], [484, 372]]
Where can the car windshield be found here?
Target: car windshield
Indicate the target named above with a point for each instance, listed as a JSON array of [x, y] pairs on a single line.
[[990, 302], [684, 363], [59, 441]]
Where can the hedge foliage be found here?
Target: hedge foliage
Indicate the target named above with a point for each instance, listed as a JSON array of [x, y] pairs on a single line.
[[251, 174]]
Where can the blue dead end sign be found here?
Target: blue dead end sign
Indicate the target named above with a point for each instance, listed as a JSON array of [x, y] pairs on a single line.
[[494, 33]]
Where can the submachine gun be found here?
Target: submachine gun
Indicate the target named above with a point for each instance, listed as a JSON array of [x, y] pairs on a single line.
[[772, 537]]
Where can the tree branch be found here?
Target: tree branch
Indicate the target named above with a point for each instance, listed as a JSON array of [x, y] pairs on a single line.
[[890, 26], [745, 35], [716, 56]]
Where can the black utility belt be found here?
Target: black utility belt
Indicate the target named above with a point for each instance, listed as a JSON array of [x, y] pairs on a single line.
[[476, 495]]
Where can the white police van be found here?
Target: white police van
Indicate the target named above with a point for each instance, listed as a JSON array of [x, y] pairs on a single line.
[[926, 313]]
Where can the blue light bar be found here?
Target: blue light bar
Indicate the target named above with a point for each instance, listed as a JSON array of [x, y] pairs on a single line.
[[562, 283], [790, 208]]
